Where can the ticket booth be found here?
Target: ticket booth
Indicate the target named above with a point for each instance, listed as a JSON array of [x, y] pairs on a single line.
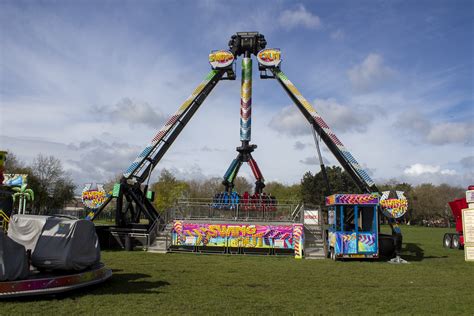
[[353, 226]]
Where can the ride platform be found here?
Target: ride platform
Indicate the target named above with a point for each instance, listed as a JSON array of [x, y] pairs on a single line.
[[40, 283]]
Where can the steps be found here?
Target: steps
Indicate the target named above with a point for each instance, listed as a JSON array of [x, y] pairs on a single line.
[[162, 241], [314, 242]]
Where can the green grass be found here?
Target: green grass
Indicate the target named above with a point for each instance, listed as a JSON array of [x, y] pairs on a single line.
[[437, 281]]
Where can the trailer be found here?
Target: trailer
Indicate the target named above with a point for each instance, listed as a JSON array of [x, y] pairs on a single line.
[[456, 240]]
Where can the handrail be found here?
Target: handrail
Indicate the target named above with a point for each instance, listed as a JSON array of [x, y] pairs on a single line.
[[5, 221], [297, 211]]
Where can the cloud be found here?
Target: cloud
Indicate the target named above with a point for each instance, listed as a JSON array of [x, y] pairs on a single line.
[[290, 121], [290, 19], [208, 149], [311, 161], [95, 160], [99, 161], [338, 35], [188, 172], [370, 74], [299, 145], [439, 133], [340, 118], [132, 112], [419, 169], [343, 118], [467, 162], [425, 173], [446, 133], [314, 161]]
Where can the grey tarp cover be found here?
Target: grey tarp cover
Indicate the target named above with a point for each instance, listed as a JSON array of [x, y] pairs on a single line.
[[66, 244], [13, 259], [26, 229]]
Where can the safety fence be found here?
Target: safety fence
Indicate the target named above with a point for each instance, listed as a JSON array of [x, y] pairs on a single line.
[[286, 211]]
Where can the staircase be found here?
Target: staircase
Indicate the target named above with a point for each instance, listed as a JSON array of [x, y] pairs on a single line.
[[314, 242], [162, 240]]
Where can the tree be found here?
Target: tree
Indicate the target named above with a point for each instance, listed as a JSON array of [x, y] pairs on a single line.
[[54, 188], [314, 188], [168, 190], [242, 185], [283, 192]]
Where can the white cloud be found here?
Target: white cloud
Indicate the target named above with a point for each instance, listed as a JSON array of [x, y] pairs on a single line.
[[370, 74], [449, 132], [340, 118], [290, 19], [132, 112], [343, 118], [419, 169], [338, 35], [467, 162], [435, 133], [312, 161], [290, 121], [299, 145], [95, 160]]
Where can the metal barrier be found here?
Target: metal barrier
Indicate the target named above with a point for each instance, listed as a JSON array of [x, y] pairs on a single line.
[[206, 209]]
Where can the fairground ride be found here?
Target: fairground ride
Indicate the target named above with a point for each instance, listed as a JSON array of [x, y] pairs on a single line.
[[132, 191]]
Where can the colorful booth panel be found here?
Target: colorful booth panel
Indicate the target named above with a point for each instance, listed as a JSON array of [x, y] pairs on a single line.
[[353, 243], [353, 199], [367, 242], [343, 243]]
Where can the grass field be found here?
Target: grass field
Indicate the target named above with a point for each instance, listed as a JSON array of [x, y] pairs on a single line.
[[437, 281]]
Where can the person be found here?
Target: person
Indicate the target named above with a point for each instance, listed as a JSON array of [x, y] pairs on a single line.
[[264, 201], [246, 197], [226, 200]]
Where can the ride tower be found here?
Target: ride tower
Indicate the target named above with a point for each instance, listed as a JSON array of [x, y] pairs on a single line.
[[245, 44]]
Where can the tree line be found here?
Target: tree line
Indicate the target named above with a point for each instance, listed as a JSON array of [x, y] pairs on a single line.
[[426, 202], [54, 188]]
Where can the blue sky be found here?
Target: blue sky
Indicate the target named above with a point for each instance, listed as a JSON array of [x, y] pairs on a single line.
[[91, 81]]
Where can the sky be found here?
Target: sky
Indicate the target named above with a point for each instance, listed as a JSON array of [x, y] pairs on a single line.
[[91, 82]]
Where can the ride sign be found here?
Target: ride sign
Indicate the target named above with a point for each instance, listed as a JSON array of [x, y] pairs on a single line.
[[394, 208], [269, 57], [93, 198], [221, 59]]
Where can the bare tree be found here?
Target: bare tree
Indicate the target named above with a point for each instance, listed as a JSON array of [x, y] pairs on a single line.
[[54, 188]]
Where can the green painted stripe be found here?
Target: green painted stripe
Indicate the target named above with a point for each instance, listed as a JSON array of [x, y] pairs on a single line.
[[211, 74]]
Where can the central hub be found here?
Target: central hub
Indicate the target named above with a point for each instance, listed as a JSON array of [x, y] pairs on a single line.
[[247, 42]]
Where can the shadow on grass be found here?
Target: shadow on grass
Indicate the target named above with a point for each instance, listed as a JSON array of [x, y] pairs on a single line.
[[129, 283], [412, 252]]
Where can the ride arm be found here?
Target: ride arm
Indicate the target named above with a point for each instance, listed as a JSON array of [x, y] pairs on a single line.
[[345, 158], [146, 161]]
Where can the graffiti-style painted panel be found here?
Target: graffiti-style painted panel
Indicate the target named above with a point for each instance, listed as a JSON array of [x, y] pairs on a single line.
[[361, 199], [367, 242], [239, 235], [353, 243]]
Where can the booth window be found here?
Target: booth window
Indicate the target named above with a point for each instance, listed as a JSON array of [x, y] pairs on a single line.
[[349, 218], [366, 218]]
